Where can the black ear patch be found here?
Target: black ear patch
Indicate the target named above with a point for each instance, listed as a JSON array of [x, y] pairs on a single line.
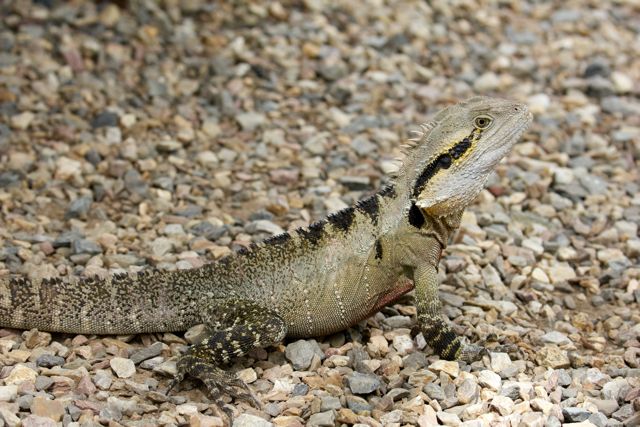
[[415, 216]]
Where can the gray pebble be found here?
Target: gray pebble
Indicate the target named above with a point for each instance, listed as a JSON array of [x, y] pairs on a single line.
[[85, 246], [105, 119], [43, 383], [301, 352], [147, 353], [575, 415], [363, 383], [246, 420], [79, 207], [329, 402], [322, 419], [358, 404], [49, 361]]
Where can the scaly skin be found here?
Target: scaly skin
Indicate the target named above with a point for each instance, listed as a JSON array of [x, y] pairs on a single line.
[[315, 281]]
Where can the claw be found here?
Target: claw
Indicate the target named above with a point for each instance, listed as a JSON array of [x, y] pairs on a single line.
[[177, 379]]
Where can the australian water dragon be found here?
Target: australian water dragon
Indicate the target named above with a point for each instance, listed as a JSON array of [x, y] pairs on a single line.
[[315, 281]]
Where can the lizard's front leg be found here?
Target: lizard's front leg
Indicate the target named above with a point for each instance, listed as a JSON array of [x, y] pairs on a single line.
[[235, 327], [436, 330]]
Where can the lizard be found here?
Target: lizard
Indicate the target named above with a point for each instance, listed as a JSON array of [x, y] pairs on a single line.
[[313, 281]]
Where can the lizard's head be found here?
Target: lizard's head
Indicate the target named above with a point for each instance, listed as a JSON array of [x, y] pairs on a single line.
[[459, 150]]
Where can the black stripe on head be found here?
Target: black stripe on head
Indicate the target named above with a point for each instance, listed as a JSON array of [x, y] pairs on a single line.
[[342, 219], [443, 161], [378, 249], [371, 207], [415, 216], [313, 233]]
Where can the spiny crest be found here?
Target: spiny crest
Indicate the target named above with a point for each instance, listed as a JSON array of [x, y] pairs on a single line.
[[406, 148]]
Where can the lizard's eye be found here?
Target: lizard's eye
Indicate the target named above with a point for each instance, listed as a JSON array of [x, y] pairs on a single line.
[[482, 122]]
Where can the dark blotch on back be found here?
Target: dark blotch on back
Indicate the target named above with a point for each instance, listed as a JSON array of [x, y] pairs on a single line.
[[278, 239], [370, 207], [378, 249], [342, 219], [388, 191], [415, 216], [313, 233]]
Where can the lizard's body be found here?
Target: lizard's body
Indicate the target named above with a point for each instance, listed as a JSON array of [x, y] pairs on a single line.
[[314, 281]]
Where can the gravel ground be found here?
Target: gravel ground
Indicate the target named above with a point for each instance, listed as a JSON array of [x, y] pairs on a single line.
[[170, 133]]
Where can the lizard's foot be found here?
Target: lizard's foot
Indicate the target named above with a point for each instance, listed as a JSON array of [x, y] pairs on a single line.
[[217, 381]]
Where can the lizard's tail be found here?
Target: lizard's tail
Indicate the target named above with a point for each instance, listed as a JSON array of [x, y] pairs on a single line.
[[148, 301]]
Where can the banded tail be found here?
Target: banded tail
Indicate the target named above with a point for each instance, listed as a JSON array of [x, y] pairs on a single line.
[[148, 301]]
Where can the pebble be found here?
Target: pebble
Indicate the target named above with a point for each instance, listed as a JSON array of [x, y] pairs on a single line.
[[363, 383], [8, 393], [321, 419], [123, 368], [53, 409], [300, 353], [247, 420]]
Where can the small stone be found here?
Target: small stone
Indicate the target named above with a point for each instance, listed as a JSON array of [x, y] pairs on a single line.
[[22, 121], [449, 367], [500, 361], [85, 246], [124, 368], [555, 337], [246, 420], [37, 421], [394, 416], [8, 393], [448, 419], [575, 415], [300, 353], [539, 103], [9, 418], [606, 406], [532, 419], [487, 82], [103, 379], [147, 353], [20, 374], [250, 121], [621, 82], [105, 119], [434, 391], [200, 420], [329, 402], [378, 345], [502, 404], [49, 361], [403, 344], [467, 392], [490, 379], [79, 207], [322, 419], [363, 383], [553, 357], [42, 407]]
